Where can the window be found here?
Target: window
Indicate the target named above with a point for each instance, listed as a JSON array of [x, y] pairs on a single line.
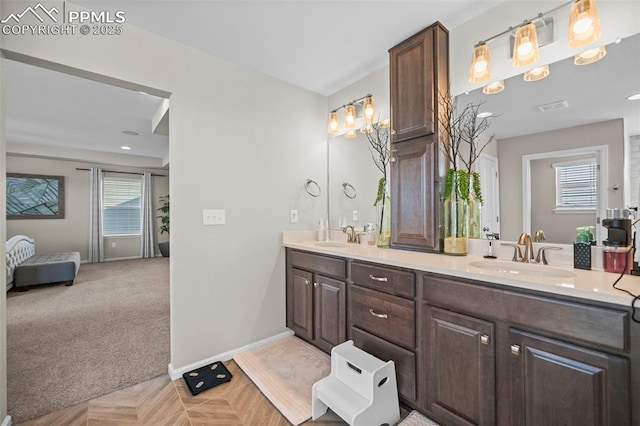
[[576, 185], [121, 212]]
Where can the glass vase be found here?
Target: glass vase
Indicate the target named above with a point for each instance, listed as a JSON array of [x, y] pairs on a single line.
[[475, 213], [383, 210], [456, 222]]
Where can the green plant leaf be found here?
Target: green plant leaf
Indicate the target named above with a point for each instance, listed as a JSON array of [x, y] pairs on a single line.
[[381, 185], [477, 192], [448, 184]]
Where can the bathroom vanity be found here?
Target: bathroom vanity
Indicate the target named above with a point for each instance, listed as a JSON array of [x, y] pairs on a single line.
[[475, 344]]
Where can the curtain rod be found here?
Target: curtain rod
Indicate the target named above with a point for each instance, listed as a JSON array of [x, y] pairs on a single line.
[[115, 171]]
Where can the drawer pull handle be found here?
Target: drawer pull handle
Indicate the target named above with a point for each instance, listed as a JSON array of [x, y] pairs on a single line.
[[484, 339], [381, 279], [515, 349], [372, 312]]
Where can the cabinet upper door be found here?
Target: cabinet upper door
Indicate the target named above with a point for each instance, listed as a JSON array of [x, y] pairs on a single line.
[[556, 383], [300, 302]]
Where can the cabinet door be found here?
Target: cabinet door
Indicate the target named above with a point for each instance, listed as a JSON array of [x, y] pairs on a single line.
[[555, 383], [330, 312], [415, 202], [460, 375], [412, 85], [299, 303]]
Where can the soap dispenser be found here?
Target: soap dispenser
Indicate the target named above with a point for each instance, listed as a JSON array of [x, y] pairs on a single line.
[[321, 234]]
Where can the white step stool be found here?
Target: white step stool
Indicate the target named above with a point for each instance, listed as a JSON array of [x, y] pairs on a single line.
[[361, 389]]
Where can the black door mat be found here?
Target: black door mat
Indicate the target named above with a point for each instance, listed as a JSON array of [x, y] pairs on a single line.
[[206, 377]]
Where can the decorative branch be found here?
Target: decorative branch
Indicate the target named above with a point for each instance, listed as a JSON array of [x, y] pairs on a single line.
[[378, 137]]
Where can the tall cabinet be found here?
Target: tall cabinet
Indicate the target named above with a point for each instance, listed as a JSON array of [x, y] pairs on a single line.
[[419, 74]]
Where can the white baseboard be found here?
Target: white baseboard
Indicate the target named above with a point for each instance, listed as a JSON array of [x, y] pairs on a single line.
[[112, 259], [225, 356], [6, 421]]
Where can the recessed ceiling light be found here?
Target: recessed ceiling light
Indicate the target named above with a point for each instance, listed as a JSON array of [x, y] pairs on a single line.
[[634, 97], [142, 93], [130, 133], [126, 148], [485, 114]]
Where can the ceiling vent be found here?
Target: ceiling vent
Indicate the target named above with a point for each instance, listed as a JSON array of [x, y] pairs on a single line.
[[553, 106]]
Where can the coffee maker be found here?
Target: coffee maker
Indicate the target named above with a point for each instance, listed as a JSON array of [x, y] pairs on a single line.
[[618, 249]]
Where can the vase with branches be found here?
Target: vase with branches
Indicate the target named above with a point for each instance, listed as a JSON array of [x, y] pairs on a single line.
[[462, 132], [378, 136]]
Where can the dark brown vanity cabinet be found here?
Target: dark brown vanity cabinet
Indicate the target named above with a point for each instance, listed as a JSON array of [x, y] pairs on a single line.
[[383, 319], [493, 356], [316, 298], [419, 74]]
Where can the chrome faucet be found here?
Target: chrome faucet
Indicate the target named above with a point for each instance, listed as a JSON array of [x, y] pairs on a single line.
[[525, 239], [351, 234]]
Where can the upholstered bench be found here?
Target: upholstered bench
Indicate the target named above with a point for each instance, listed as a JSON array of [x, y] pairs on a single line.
[[25, 269]]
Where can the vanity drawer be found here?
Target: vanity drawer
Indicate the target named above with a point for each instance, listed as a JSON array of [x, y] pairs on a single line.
[[390, 317], [404, 360], [598, 326], [389, 280], [326, 265]]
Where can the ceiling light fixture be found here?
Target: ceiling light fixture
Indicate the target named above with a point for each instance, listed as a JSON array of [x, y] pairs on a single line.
[[363, 108], [537, 73], [130, 133], [584, 23], [484, 114], [126, 148], [590, 56], [493, 88], [535, 32], [634, 97]]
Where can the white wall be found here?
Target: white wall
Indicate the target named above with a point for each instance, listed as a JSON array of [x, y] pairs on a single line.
[[239, 140]]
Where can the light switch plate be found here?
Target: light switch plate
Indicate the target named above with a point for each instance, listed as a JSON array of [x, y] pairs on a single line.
[[356, 216], [213, 217], [294, 216]]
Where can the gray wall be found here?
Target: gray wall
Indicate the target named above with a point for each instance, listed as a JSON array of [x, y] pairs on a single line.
[[558, 227], [72, 232], [511, 150], [3, 265]]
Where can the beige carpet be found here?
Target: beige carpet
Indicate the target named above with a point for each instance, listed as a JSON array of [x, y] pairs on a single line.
[[417, 419], [108, 331], [285, 371]]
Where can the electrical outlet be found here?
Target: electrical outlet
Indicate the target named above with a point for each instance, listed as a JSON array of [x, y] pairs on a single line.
[[355, 215], [294, 216], [113, 245], [213, 217]]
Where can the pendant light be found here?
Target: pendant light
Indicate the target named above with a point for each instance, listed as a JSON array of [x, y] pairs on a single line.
[[479, 70], [584, 23], [493, 88], [525, 48], [590, 56], [537, 73], [368, 108], [350, 116], [333, 123]]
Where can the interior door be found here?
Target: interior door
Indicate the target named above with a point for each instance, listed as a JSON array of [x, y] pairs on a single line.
[[490, 214]]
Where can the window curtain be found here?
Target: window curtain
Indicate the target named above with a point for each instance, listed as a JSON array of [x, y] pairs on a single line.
[[147, 241], [96, 241]]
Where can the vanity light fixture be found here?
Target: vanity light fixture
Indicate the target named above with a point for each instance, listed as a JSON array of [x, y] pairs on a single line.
[[537, 73], [493, 88], [525, 48], [584, 23], [363, 108], [480, 65], [590, 56]]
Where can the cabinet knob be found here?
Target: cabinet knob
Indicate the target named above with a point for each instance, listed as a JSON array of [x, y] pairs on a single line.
[[515, 349], [316, 285], [372, 312], [307, 282], [484, 339], [381, 279]]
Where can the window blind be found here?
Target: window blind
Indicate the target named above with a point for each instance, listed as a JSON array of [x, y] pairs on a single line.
[[576, 184], [121, 211]]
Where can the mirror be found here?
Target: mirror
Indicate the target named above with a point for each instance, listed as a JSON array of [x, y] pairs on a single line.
[[586, 115]]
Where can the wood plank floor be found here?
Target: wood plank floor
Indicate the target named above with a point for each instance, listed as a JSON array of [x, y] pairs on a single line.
[[161, 401]]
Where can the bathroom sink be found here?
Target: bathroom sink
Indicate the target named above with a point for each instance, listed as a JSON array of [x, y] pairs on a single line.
[[515, 268], [332, 244]]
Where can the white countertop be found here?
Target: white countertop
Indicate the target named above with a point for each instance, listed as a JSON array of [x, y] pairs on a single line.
[[592, 285]]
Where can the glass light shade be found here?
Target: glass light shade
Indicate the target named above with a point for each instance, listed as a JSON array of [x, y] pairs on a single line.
[[480, 65], [493, 88], [537, 73], [350, 134], [584, 23], [367, 128], [369, 109], [350, 116], [590, 56], [525, 48], [333, 123]]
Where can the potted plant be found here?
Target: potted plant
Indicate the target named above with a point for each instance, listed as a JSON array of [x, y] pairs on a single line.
[[164, 223], [378, 136]]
